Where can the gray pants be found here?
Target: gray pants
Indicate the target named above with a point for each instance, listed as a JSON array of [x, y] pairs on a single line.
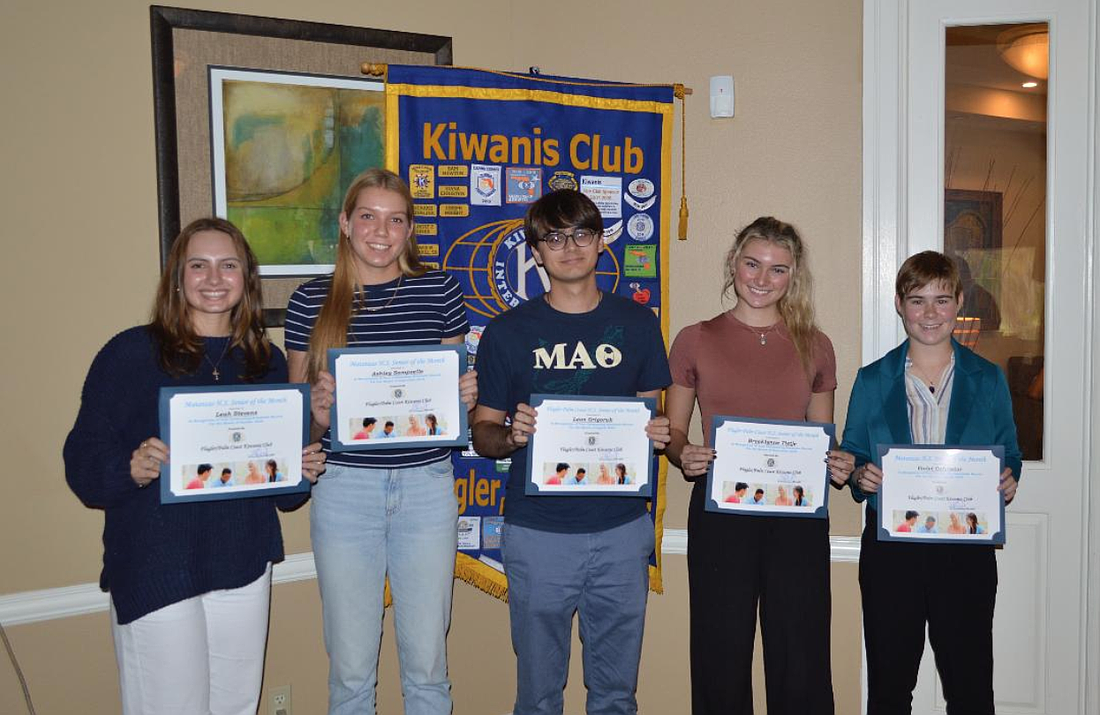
[[602, 576]]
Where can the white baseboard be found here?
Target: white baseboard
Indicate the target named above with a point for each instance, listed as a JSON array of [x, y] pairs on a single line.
[[52, 603]]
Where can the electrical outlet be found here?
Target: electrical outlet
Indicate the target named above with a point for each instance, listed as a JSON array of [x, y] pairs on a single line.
[[281, 703]]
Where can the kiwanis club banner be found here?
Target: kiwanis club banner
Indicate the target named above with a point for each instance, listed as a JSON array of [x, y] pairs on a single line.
[[477, 147]]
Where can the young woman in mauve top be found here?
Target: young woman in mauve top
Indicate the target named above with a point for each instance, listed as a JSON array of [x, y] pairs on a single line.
[[382, 512], [189, 583], [763, 358]]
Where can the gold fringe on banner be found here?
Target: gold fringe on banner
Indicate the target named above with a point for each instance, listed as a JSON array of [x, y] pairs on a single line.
[[481, 576]]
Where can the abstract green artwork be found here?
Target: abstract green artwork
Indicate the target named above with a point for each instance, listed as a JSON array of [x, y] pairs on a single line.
[[284, 149]]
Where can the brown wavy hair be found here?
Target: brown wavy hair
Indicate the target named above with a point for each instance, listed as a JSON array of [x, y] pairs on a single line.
[[796, 307], [347, 295], [181, 350]]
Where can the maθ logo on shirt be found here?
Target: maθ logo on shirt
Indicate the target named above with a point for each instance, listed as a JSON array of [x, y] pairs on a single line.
[[559, 357]]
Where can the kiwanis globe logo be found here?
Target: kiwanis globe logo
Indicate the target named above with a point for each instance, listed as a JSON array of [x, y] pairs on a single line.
[[498, 271]]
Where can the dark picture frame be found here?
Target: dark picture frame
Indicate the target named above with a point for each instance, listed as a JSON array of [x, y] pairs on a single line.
[[251, 42]]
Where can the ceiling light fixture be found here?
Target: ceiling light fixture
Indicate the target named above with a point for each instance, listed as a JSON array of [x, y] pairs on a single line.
[[1026, 48]]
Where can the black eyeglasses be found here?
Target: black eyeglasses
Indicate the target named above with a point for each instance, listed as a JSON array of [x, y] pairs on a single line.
[[582, 237]]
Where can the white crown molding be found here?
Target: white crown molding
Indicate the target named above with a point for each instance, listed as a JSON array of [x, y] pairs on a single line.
[[49, 604]]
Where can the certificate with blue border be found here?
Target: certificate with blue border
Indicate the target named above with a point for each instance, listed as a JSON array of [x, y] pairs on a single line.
[[391, 397], [941, 494], [769, 467], [587, 446], [233, 441]]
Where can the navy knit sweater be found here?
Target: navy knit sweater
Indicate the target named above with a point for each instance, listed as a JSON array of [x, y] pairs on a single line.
[[157, 555]]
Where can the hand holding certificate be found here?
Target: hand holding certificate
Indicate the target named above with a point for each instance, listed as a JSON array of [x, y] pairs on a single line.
[[590, 446], [398, 397], [773, 468], [941, 494], [235, 441]]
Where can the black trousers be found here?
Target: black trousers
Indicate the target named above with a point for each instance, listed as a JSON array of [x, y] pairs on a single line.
[[950, 587], [737, 565]]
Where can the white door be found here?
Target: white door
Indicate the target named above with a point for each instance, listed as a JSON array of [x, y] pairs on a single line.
[[934, 154]]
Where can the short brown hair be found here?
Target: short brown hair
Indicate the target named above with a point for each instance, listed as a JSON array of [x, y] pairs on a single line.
[[565, 208], [924, 268]]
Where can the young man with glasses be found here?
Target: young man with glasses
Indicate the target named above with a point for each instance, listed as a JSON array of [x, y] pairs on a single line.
[[562, 555]]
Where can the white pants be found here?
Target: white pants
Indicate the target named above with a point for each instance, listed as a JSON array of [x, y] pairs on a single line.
[[202, 656]]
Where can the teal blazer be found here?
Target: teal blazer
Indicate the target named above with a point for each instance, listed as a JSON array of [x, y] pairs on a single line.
[[878, 412]]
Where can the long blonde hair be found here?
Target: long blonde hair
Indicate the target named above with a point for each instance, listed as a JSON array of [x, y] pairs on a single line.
[[796, 307], [347, 295]]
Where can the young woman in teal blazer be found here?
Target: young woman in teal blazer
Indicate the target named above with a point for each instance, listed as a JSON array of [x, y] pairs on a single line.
[[928, 390]]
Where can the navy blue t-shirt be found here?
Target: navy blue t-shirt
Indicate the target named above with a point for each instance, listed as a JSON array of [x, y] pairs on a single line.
[[535, 349]]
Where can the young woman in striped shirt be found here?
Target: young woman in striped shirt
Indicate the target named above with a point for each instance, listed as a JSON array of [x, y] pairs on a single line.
[[382, 512]]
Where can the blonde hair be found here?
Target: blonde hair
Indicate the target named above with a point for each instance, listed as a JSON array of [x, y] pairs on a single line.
[[347, 295], [796, 307]]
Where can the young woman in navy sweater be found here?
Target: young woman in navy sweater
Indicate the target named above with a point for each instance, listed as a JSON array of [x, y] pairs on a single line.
[[189, 583]]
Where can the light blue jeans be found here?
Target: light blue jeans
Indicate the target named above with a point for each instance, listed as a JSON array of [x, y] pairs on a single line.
[[366, 523], [603, 577]]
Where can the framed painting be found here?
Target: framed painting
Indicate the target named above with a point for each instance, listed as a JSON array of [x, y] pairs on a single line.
[[264, 121], [972, 237]]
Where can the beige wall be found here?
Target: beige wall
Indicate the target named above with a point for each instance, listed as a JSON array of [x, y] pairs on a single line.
[[79, 195]]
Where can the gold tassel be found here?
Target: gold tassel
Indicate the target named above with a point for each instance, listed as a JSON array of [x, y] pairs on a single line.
[[683, 227], [680, 92]]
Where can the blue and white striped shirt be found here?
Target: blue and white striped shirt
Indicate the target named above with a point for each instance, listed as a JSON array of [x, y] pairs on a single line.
[[417, 311], [928, 408]]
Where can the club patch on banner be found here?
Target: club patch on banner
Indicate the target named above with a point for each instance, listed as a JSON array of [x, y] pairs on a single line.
[[424, 210], [562, 180], [641, 262], [454, 211], [469, 533], [640, 227], [524, 185], [422, 181], [606, 192], [450, 191], [454, 171], [484, 185]]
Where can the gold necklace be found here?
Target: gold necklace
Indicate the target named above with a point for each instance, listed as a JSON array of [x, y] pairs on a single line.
[[387, 304], [217, 374]]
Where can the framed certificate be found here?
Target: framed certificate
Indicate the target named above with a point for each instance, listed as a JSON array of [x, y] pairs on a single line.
[[389, 397], [941, 494], [233, 441], [590, 446], [769, 467]]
